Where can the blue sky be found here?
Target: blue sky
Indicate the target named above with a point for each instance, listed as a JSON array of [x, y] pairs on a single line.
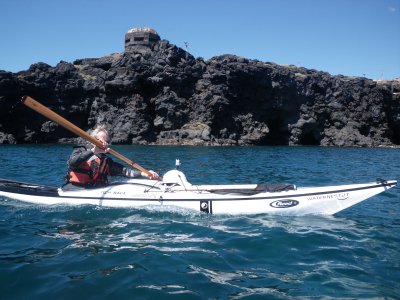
[[348, 37]]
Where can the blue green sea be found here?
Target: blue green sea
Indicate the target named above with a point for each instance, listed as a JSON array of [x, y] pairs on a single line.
[[89, 252]]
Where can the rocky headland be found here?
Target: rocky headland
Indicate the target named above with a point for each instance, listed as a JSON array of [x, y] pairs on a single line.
[[161, 94]]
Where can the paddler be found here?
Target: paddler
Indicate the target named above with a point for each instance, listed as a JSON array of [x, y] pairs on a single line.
[[89, 166]]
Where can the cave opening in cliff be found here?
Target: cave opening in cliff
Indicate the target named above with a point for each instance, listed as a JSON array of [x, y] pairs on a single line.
[[396, 136], [309, 139], [278, 134]]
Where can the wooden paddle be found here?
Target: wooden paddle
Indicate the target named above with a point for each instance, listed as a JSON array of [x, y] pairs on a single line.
[[48, 113]]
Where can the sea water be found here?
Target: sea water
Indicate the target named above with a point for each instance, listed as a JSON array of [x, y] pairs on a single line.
[[89, 252]]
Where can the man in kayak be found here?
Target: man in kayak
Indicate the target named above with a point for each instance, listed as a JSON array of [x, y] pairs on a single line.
[[89, 166]]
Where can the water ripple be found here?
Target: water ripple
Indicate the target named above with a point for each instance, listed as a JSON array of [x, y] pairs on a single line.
[[94, 252]]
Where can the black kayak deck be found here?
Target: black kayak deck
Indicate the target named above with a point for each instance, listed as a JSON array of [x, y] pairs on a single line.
[[18, 187]]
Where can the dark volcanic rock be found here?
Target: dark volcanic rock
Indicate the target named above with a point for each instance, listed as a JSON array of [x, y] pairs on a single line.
[[163, 95]]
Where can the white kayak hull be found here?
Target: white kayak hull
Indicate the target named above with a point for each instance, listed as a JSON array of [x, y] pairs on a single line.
[[221, 199]]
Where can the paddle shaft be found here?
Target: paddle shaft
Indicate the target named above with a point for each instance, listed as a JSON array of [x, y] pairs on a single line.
[[48, 113]]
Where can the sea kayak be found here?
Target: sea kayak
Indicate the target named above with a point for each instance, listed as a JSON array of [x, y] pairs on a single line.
[[175, 191]]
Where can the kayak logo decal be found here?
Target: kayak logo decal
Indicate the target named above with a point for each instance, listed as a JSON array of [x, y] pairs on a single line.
[[284, 203], [337, 196], [206, 206]]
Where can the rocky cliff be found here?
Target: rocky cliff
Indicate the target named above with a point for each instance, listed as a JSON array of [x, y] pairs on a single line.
[[163, 95]]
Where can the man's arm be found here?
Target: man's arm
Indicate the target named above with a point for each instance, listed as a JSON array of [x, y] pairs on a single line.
[[79, 155], [117, 169]]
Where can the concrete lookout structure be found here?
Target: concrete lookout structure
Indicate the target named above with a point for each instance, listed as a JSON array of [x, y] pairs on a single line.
[[141, 37]]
